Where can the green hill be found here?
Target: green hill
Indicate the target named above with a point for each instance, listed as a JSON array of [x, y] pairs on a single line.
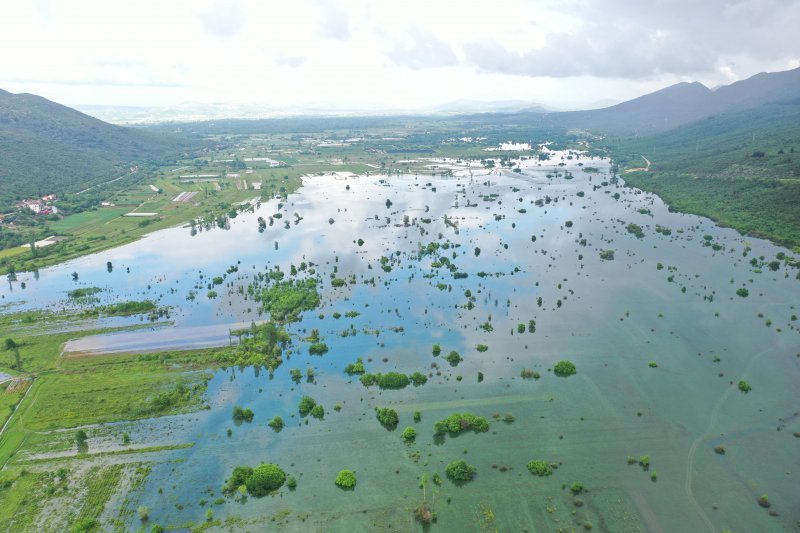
[[741, 169], [684, 103], [49, 148]]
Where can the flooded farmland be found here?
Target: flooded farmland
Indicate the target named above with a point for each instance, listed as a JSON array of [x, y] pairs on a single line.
[[662, 314]]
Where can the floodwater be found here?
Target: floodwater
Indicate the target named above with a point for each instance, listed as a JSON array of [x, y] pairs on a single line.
[[158, 338], [610, 317]]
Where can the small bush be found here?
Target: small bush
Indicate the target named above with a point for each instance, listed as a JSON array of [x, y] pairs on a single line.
[[266, 478], [387, 417], [409, 434], [307, 403], [318, 348], [240, 414], [418, 378], [453, 358], [355, 368], [564, 368], [238, 478], [539, 468], [276, 423], [346, 479], [528, 373], [635, 229], [460, 471]]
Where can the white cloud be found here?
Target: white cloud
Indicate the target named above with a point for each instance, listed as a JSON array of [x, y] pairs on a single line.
[[223, 19], [417, 49], [382, 53]]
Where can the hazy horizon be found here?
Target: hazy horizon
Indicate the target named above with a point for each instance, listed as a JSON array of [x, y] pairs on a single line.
[[362, 56]]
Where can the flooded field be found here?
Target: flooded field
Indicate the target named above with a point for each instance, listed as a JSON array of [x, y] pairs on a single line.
[[663, 315]]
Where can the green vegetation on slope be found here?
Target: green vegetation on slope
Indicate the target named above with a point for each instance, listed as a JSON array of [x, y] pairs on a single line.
[[764, 208], [740, 169], [48, 148]]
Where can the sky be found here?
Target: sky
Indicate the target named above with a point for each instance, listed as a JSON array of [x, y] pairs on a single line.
[[373, 55]]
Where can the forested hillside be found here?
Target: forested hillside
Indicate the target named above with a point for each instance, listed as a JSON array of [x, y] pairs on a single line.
[[49, 148], [741, 169]]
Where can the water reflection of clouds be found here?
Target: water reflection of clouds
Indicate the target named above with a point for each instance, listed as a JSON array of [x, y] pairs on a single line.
[[591, 328]]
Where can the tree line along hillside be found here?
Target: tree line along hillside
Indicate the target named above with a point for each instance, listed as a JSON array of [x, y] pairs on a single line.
[[741, 169], [49, 148]]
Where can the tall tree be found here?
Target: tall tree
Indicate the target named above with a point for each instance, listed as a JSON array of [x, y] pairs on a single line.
[[11, 345]]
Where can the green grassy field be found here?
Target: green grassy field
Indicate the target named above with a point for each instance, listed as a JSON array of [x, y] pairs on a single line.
[[12, 252], [83, 390], [81, 222], [8, 401], [76, 391], [20, 502], [94, 231], [76, 496], [73, 391], [108, 393]]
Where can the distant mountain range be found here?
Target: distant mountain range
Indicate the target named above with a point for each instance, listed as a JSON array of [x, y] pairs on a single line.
[[199, 112], [46, 147], [683, 103]]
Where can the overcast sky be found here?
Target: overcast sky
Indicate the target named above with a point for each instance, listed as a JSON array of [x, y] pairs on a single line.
[[373, 54]]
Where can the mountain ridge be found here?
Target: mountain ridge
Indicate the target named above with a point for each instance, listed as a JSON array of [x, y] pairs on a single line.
[[685, 102]]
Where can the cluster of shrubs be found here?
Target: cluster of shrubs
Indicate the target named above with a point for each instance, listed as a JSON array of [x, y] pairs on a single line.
[[540, 468], [257, 482], [564, 368], [309, 406], [243, 415], [458, 422], [393, 380], [387, 417], [355, 368], [460, 471]]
